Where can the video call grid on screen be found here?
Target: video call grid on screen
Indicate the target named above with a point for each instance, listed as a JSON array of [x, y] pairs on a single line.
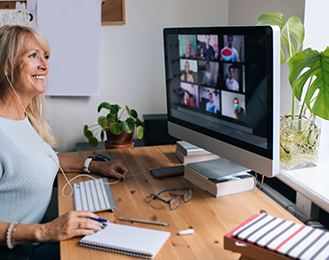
[[221, 73]]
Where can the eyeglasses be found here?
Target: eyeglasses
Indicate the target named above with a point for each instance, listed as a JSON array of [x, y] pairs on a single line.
[[174, 202]]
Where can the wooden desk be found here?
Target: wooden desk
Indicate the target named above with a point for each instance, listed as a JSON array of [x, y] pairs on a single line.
[[210, 217]]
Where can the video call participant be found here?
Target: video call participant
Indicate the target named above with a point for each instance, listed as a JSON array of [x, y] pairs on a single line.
[[235, 55], [187, 76], [210, 106], [208, 52], [231, 82], [28, 164], [238, 110], [189, 50], [208, 77], [187, 99]]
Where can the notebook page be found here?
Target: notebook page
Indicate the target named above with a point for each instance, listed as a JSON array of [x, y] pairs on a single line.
[[129, 238]]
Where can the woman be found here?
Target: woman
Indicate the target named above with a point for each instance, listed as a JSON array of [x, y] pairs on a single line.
[[187, 99], [28, 164], [189, 50], [187, 76]]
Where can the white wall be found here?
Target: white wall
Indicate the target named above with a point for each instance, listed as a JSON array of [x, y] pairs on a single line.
[[316, 37], [247, 12], [132, 64]]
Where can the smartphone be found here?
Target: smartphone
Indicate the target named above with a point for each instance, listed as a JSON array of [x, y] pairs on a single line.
[[169, 171]]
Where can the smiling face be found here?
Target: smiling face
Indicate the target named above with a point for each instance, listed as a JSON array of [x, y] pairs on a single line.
[[31, 68], [187, 67]]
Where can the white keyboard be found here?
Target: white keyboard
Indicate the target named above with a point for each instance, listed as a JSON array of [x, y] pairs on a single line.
[[93, 195]]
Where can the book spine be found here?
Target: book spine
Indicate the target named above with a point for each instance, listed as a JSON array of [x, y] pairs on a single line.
[[195, 158], [200, 181], [223, 188]]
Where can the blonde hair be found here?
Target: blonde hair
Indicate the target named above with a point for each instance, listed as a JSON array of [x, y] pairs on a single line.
[[11, 43]]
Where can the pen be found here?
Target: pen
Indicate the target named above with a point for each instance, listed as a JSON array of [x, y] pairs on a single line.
[[100, 219], [144, 221]]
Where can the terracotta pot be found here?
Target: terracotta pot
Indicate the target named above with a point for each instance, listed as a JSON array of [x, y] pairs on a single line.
[[113, 146], [118, 141]]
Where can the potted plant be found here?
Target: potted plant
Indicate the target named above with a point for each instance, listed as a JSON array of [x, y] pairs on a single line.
[[118, 131], [308, 71]]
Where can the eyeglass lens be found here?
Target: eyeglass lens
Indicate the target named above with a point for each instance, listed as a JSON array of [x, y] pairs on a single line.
[[175, 201], [187, 195]]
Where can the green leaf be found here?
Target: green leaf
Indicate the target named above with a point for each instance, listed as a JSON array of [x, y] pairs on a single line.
[[102, 135], [128, 125], [102, 121], [110, 118], [140, 132], [105, 105], [85, 129], [93, 142], [134, 113], [88, 134], [293, 27], [116, 128], [114, 109], [128, 111], [310, 64], [138, 122]]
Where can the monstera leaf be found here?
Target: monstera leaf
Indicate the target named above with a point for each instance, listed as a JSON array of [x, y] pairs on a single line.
[[310, 69], [293, 27]]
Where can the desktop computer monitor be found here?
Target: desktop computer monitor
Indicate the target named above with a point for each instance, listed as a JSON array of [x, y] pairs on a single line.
[[223, 92]]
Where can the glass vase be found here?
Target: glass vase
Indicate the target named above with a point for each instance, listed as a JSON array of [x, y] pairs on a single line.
[[299, 142]]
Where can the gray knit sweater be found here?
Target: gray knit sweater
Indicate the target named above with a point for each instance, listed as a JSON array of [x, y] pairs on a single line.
[[28, 167]]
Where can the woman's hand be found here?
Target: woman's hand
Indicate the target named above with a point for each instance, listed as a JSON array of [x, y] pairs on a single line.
[[71, 224], [114, 168]]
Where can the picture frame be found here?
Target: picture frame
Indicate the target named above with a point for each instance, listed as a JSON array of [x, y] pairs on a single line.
[[113, 12]]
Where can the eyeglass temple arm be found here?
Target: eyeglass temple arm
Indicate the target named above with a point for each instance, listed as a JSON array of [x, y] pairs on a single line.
[[156, 197]]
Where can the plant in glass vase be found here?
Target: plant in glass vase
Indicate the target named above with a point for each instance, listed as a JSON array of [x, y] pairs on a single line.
[[119, 132], [309, 81]]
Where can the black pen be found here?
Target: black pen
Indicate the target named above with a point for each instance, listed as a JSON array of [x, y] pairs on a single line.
[[100, 220]]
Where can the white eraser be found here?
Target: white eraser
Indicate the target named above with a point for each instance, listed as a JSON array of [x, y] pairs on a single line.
[[186, 231]]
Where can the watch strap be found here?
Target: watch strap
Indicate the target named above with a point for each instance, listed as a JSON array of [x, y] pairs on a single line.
[[86, 165]]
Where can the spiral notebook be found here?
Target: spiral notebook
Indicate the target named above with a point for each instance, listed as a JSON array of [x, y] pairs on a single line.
[[128, 240]]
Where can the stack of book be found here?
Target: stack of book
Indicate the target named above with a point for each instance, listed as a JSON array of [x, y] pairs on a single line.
[[189, 153], [220, 177]]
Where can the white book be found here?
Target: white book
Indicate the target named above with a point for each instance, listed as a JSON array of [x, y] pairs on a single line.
[[219, 177], [195, 158], [128, 240], [190, 149]]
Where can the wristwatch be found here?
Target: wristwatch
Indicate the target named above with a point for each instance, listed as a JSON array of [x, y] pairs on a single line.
[[86, 164]]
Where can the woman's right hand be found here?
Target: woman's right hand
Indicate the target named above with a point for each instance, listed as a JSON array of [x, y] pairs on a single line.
[[71, 224]]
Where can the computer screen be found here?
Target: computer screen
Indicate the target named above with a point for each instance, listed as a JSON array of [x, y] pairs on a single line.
[[223, 92]]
